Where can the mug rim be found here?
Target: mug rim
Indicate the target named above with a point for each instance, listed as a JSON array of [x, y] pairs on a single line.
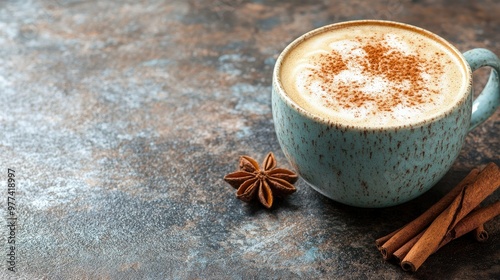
[[278, 85]]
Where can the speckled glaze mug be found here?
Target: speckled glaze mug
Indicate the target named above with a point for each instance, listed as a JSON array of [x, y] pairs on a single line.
[[366, 159]]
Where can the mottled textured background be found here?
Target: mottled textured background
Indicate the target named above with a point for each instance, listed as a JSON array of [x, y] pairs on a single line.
[[120, 119]]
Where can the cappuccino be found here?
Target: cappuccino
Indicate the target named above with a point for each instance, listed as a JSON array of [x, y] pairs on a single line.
[[373, 75]]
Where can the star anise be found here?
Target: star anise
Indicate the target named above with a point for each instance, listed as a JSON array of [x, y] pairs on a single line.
[[251, 181]]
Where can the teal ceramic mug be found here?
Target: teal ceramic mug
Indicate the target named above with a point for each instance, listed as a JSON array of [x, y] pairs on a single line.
[[373, 113]]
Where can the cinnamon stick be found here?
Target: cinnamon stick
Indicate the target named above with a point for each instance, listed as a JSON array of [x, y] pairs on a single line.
[[399, 238], [472, 221], [487, 181], [481, 234], [380, 241], [470, 196], [400, 253]]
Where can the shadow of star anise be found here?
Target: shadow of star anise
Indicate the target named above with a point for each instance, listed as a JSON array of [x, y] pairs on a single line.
[[253, 182]]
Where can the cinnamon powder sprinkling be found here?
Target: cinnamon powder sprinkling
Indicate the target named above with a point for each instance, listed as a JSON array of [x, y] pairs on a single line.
[[403, 72]]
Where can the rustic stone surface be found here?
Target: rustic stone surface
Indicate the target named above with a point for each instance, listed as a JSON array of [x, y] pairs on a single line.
[[120, 119]]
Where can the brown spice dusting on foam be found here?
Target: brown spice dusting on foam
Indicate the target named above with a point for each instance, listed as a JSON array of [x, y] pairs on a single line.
[[332, 64], [380, 61]]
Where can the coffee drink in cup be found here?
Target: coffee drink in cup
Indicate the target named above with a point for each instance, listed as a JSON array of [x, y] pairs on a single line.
[[373, 113], [373, 76]]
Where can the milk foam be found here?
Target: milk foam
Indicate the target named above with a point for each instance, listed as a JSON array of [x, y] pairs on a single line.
[[372, 76]]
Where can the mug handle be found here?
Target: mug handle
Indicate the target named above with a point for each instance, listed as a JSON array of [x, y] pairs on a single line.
[[488, 101]]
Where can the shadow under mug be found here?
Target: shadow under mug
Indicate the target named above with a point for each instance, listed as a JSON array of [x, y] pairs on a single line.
[[380, 167]]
